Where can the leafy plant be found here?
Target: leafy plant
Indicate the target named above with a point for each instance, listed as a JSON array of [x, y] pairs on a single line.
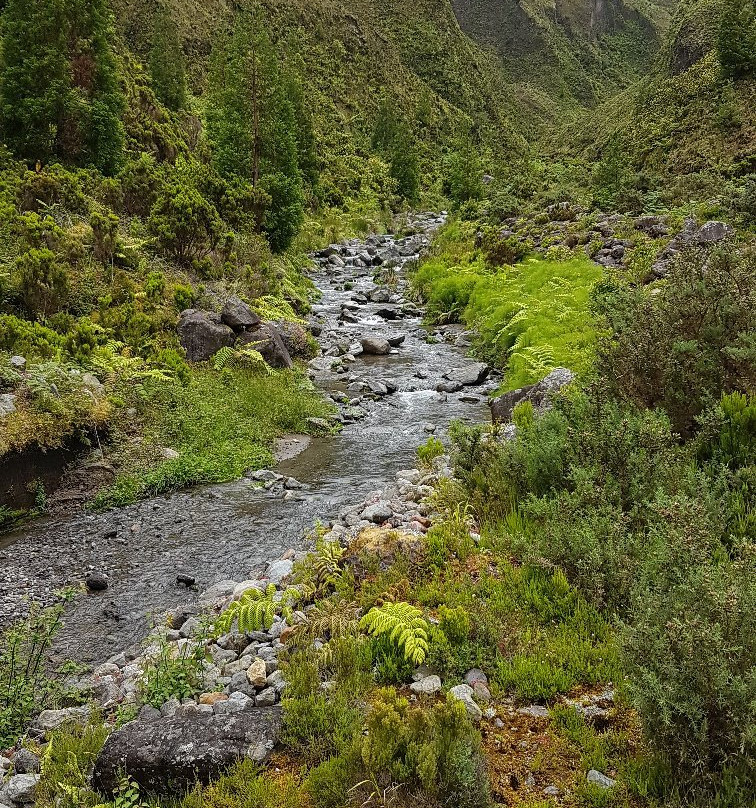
[[244, 358], [171, 674], [255, 610], [431, 449], [403, 624]]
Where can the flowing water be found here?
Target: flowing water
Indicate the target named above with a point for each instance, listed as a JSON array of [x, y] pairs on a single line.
[[230, 531]]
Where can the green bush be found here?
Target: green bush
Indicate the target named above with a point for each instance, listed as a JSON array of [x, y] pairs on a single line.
[[186, 225], [43, 281]]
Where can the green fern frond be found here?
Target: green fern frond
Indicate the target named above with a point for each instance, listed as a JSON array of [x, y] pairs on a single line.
[[255, 610], [327, 563], [404, 625], [223, 358], [331, 618]]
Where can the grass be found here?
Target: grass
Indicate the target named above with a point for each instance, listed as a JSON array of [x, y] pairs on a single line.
[[529, 318], [221, 424]]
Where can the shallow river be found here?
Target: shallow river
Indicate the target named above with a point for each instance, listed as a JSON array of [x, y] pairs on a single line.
[[232, 530]]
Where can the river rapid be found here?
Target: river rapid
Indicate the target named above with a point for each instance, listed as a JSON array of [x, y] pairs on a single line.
[[231, 531]]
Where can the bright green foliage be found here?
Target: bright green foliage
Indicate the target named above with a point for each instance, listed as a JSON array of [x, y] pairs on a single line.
[[167, 62], [403, 624], [66, 764], [245, 358], [170, 675], [25, 688], [253, 129], [59, 90], [244, 786], [463, 173], [255, 610], [435, 751], [431, 449], [736, 38]]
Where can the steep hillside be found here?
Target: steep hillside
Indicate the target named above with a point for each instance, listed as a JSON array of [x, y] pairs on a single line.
[[688, 119], [574, 50]]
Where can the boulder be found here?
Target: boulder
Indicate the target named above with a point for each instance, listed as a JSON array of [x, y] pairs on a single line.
[[375, 346], [202, 334], [20, 789], [470, 375], [278, 570], [378, 513], [96, 581], [238, 315], [464, 693], [266, 339], [426, 686], [25, 762], [296, 339], [18, 363], [170, 754], [538, 395], [49, 720], [597, 778]]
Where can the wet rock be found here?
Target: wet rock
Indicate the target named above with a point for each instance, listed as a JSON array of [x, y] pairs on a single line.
[[185, 580], [375, 346], [389, 313], [96, 581], [449, 387], [171, 754], [396, 340], [470, 375], [238, 315], [202, 334]]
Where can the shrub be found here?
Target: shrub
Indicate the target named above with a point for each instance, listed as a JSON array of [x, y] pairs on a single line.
[[690, 657], [690, 341], [430, 450], [43, 282], [173, 676], [500, 251], [186, 225]]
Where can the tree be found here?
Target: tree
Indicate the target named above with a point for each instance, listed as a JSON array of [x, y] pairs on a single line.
[[166, 62], [307, 156], [59, 89], [386, 126], [405, 168], [252, 126], [736, 38]]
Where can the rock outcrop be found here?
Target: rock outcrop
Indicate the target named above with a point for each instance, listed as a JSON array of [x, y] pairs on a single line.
[[538, 395]]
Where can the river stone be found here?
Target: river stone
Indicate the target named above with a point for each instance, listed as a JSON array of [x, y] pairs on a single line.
[[379, 513], [449, 387], [96, 581], [20, 789], [375, 346], [257, 673], [426, 686], [396, 340], [49, 720], [171, 754], [278, 570], [219, 591], [470, 375], [202, 334], [266, 697], [238, 315]]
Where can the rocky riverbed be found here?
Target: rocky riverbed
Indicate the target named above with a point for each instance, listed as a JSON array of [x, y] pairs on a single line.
[[396, 383]]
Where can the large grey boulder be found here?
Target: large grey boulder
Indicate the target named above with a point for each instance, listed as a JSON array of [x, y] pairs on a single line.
[[202, 334], [266, 339], [171, 753], [238, 315], [539, 395], [470, 375], [20, 789], [7, 404], [375, 346]]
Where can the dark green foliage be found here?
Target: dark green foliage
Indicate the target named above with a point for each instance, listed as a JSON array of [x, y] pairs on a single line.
[[405, 167], [736, 38], [690, 656], [59, 93], [463, 173], [187, 227], [386, 125], [43, 282], [253, 129], [166, 62], [691, 340]]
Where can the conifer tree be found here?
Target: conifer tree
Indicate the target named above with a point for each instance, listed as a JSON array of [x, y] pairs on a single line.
[[736, 38], [167, 67], [252, 127], [59, 89], [307, 156]]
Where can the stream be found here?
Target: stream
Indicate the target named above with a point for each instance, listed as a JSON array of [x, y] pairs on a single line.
[[232, 530]]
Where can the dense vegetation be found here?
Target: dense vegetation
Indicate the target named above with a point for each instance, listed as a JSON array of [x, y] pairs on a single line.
[[160, 157]]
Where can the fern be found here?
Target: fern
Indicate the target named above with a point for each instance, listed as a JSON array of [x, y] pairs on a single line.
[[403, 624], [245, 358], [327, 564], [328, 619], [255, 610]]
